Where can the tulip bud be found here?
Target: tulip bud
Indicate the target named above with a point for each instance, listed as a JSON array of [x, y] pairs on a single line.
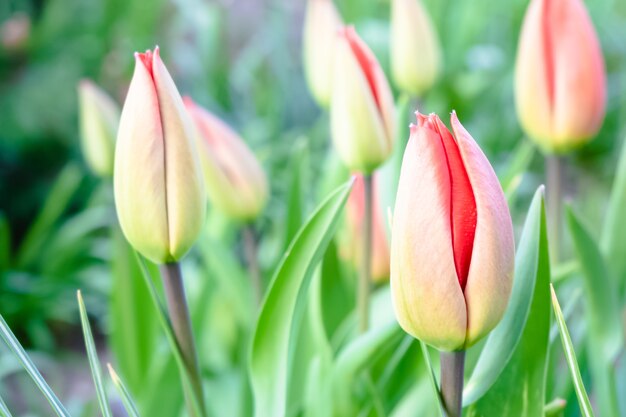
[[99, 119], [560, 82], [355, 208], [235, 181], [452, 248], [361, 111], [320, 32], [159, 192], [415, 50]]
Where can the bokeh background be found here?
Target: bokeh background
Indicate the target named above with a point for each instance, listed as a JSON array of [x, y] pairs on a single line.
[[243, 60]]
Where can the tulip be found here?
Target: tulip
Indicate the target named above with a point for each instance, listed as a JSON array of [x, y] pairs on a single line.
[[452, 248], [415, 50], [99, 119], [361, 111], [159, 191], [560, 82], [355, 207], [320, 28], [234, 178]]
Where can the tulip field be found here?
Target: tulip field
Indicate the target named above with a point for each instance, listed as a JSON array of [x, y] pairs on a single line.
[[316, 208]]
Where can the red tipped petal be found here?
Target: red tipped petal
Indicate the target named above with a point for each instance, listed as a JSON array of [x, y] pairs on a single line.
[[365, 57], [463, 204]]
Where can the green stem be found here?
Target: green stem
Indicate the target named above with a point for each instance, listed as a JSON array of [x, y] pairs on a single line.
[[172, 277], [366, 261], [554, 190], [251, 253], [452, 368]]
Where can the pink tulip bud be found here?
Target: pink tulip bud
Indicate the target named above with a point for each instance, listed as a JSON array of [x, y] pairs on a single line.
[[362, 109], [380, 244], [235, 180], [560, 82], [320, 34], [159, 192], [452, 248]]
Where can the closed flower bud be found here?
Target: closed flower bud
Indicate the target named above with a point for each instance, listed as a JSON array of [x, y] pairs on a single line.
[[361, 111], [99, 117], [159, 191], [560, 81], [452, 248], [235, 181], [320, 33], [355, 208], [415, 50]]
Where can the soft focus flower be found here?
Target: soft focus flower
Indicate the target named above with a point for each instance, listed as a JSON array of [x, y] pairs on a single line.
[[235, 181], [355, 208], [452, 248], [415, 50], [99, 119], [361, 110], [159, 191], [320, 33], [560, 82], [15, 32]]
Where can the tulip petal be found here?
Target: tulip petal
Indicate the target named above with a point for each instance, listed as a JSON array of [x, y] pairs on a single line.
[[427, 297], [491, 270], [360, 131], [185, 195], [140, 199], [579, 75]]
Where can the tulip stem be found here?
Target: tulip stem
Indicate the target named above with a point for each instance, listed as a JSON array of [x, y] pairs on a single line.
[[554, 171], [452, 368], [178, 310], [251, 252], [366, 261]]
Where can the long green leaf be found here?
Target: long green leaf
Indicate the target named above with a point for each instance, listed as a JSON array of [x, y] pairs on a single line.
[[31, 369], [519, 389], [134, 333], [614, 231], [503, 339], [432, 378], [94, 362], [570, 356], [606, 338], [127, 399], [171, 338], [56, 202], [272, 344], [356, 356], [4, 410]]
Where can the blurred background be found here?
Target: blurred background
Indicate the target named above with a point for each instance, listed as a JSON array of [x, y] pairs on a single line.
[[242, 59]]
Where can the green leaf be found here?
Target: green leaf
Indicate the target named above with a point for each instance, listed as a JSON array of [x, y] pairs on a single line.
[[272, 344], [516, 167], [432, 378], [31, 369], [555, 408], [519, 389], [134, 333], [5, 243], [605, 335], [570, 356], [504, 338], [4, 410], [171, 338], [94, 363], [127, 399], [355, 357], [614, 231], [55, 205]]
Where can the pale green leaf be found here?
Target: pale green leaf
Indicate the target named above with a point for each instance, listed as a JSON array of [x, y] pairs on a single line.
[[127, 399], [272, 345], [570, 356]]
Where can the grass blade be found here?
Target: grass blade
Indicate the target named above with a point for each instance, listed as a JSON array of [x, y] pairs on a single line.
[[4, 410], [127, 400], [31, 369], [92, 354], [432, 377], [570, 356]]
